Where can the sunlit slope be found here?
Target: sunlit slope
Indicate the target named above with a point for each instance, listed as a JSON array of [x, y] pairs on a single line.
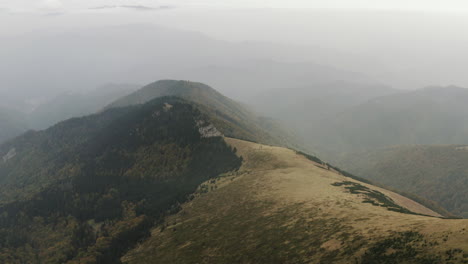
[[281, 207]]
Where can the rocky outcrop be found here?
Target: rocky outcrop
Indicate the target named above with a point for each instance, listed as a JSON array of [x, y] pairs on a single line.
[[207, 129], [11, 154]]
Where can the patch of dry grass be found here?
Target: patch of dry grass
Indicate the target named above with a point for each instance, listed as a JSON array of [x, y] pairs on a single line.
[[281, 208]]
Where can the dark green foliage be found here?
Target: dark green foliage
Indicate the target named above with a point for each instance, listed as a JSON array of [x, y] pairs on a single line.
[[120, 170], [404, 247], [329, 166], [82, 236], [373, 197], [310, 157]]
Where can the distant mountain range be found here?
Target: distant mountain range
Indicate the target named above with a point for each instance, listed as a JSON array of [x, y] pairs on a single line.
[[434, 115], [68, 105], [343, 118], [143, 53], [59, 108], [11, 124], [309, 109], [436, 172]]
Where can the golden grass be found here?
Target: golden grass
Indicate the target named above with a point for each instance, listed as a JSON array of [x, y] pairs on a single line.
[[282, 208]]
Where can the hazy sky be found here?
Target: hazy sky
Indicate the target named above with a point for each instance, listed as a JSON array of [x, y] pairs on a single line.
[[404, 43], [80, 5]]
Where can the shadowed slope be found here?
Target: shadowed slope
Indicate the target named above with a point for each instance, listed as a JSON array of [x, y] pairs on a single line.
[[87, 189]]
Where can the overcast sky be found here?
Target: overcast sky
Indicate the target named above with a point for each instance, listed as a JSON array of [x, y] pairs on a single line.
[[421, 40], [81, 5]]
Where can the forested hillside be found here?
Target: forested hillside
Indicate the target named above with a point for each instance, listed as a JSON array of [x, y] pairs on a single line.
[[87, 189], [241, 121]]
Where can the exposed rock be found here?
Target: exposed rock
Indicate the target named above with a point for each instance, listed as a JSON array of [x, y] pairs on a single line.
[[207, 129], [167, 107], [11, 154]]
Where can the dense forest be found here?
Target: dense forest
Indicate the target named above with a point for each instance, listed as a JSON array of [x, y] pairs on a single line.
[[87, 189]]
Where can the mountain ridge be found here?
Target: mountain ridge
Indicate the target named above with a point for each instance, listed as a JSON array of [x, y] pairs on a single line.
[[247, 124]]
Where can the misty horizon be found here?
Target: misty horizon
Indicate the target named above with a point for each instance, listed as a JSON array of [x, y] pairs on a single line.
[[404, 49]]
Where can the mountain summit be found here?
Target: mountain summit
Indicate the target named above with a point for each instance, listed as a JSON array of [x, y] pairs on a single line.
[[241, 121]]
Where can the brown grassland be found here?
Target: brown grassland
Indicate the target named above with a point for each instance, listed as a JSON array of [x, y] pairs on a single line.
[[281, 207]]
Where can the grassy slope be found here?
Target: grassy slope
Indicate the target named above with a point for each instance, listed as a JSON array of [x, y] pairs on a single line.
[[439, 173], [282, 208]]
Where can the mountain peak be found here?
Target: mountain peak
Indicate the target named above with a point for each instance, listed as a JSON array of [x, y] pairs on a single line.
[[187, 89], [233, 118]]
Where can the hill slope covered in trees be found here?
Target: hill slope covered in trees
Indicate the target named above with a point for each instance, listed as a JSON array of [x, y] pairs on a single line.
[[242, 122], [87, 189]]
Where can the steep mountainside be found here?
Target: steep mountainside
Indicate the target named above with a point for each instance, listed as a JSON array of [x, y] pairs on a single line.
[[439, 173], [242, 123], [281, 207], [87, 189], [434, 115]]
